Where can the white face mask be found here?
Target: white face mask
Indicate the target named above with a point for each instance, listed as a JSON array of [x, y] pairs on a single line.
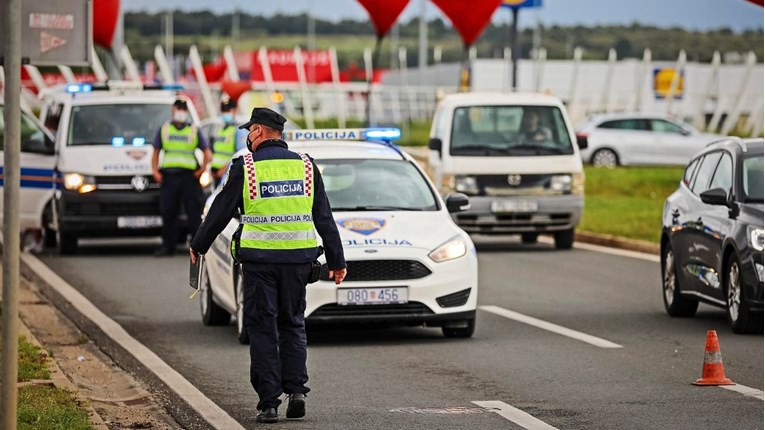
[[180, 116]]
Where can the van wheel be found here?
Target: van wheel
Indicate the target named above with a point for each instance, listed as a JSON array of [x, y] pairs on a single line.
[[49, 235], [241, 331], [212, 314], [66, 242], [460, 332], [740, 317], [564, 239], [675, 304]]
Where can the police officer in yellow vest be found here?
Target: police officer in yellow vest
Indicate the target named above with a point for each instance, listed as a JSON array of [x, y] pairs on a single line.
[[224, 140], [178, 174], [280, 196]]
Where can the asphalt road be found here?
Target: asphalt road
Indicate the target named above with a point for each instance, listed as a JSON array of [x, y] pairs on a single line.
[[400, 378]]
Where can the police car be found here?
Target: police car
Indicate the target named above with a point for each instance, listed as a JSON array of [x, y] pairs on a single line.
[[97, 180], [408, 262]]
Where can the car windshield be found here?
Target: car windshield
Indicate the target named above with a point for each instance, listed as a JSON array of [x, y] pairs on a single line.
[[117, 124], [375, 185], [753, 178], [509, 131]]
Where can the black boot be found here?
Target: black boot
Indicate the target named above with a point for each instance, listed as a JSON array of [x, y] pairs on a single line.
[[296, 406], [268, 415]]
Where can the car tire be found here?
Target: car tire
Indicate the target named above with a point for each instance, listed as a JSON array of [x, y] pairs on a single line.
[[460, 332], [212, 314], [675, 303], [605, 158], [564, 239], [49, 235], [66, 242], [529, 238], [241, 331], [740, 317]]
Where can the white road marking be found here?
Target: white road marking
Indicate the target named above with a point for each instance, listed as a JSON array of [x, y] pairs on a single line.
[[608, 250], [206, 408], [592, 340], [515, 415], [743, 389]]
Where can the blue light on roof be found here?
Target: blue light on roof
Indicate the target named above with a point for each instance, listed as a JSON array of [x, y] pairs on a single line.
[[118, 141], [79, 88], [386, 134], [139, 141], [173, 87]]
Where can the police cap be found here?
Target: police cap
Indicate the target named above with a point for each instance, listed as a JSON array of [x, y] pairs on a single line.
[[267, 117]]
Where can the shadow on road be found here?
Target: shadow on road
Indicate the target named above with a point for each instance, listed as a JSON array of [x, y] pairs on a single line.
[[374, 335]]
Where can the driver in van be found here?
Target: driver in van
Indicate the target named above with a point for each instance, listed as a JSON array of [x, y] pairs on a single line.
[[531, 130]]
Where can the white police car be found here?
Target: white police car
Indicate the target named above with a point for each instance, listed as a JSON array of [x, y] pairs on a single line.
[[408, 262]]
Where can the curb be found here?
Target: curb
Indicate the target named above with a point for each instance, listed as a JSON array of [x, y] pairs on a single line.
[[618, 242]]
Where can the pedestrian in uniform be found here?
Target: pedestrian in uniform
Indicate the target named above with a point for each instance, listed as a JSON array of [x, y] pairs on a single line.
[[178, 174], [281, 197], [224, 140]]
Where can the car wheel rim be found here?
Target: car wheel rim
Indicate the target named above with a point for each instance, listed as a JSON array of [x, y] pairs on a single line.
[[734, 292], [240, 307], [670, 282], [604, 159]]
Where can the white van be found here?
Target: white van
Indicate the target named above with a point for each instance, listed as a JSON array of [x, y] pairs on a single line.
[[96, 180], [516, 156]]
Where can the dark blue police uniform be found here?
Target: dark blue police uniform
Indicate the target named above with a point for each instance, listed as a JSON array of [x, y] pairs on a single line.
[[274, 283]]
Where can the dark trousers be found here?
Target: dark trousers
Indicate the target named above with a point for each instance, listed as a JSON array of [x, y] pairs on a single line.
[[274, 308], [179, 187]]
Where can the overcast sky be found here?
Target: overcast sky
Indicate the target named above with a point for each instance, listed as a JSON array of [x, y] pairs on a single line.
[[690, 14]]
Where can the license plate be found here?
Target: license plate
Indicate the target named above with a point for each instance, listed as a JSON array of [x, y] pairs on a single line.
[[514, 206], [139, 221], [372, 296]]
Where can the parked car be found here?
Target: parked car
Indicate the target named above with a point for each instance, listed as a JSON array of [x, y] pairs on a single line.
[[637, 139], [712, 235]]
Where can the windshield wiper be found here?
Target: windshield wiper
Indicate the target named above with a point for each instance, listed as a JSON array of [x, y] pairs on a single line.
[[538, 148], [375, 208]]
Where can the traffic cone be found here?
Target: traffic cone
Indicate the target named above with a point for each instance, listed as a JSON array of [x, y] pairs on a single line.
[[713, 372]]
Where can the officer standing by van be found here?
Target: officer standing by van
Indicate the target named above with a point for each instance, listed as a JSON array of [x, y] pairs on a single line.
[[225, 140], [178, 174], [281, 197]]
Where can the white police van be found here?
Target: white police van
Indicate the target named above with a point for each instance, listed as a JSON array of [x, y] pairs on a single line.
[[96, 180], [408, 263]]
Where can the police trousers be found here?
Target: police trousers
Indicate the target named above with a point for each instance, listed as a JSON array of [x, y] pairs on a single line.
[[179, 187], [274, 317]]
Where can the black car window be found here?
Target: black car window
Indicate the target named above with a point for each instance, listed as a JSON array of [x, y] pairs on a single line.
[[723, 177], [706, 170], [689, 172], [753, 178], [662, 126], [625, 124]]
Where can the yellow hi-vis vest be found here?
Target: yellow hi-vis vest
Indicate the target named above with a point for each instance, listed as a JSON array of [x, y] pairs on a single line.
[[224, 146], [179, 146], [278, 204]]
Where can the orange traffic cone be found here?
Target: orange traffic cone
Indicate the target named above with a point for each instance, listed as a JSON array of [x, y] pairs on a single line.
[[713, 372]]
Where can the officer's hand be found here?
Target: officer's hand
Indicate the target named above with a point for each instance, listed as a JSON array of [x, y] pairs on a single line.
[[158, 177], [194, 256], [338, 275], [198, 173]]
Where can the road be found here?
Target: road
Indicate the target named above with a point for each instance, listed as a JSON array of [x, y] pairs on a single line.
[[410, 378]]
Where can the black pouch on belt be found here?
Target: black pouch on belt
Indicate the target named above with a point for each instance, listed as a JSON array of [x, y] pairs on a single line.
[[316, 267]]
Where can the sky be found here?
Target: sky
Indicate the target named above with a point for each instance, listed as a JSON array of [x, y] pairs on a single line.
[[690, 14]]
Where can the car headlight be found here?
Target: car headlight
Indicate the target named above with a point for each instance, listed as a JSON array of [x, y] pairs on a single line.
[[454, 248], [561, 183], [205, 179], [756, 238], [77, 182], [466, 184]]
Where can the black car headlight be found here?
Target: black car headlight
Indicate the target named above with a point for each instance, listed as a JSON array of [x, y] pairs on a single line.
[[756, 238]]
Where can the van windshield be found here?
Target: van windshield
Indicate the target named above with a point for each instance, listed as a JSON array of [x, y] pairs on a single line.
[[509, 131], [116, 124]]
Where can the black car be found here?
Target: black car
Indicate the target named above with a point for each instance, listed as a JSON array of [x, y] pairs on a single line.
[[712, 235]]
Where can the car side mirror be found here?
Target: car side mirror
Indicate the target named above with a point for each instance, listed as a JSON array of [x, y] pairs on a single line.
[[715, 196], [457, 202], [581, 140], [435, 144]]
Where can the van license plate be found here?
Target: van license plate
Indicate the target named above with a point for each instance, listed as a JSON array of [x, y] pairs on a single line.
[[372, 296], [505, 206], [139, 222]]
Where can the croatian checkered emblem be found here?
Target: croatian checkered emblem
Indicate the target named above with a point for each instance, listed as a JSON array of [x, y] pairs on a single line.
[[249, 165], [308, 182]]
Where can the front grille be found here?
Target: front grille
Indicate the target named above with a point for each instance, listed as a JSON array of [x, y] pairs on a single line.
[[381, 270], [334, 310], [498, 185], [507, 223], [123, 183], [113, 209], [452, 300]]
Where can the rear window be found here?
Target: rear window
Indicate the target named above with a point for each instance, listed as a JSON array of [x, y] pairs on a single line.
[[126, 124]]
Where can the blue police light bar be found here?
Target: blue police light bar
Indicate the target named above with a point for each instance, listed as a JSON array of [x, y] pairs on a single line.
[[118, 141], [173, 87], [79, 88], [354, 134], [139, 141], [386, 134]]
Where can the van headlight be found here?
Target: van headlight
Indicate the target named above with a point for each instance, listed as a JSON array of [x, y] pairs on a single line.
[[77, 182], [561, 183], [205, 179], [466, 184], [756, 237], [454, 248]]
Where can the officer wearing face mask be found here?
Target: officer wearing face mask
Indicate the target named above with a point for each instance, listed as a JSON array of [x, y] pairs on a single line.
[[225, 139], [178, 174], [280, 196]]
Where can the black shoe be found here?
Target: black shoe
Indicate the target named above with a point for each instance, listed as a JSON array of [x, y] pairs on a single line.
[[268, 415], [296, 406], [164, 252]]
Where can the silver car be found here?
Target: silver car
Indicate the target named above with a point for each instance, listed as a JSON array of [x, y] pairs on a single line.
[[639, 139]]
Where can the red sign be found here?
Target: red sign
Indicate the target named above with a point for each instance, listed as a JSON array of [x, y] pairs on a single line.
[[384, 13], [316, 65], [105, 16], [468, 17], [51, 21]]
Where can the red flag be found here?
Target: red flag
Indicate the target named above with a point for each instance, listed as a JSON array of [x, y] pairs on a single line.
[[468, 17], [105, 16], [384, 13], [235, 89], [757, 2]]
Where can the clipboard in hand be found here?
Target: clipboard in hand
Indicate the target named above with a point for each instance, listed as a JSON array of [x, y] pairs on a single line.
[[195, 272]]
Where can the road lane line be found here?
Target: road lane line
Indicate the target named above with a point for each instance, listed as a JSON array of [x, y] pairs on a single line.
[[608, 250], [743, 389], [206, 408], [515, 415], [592, 340]]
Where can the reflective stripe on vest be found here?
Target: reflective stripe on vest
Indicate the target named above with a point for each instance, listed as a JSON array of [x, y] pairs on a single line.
[[278, 204], [224, 146], [179, 146]]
